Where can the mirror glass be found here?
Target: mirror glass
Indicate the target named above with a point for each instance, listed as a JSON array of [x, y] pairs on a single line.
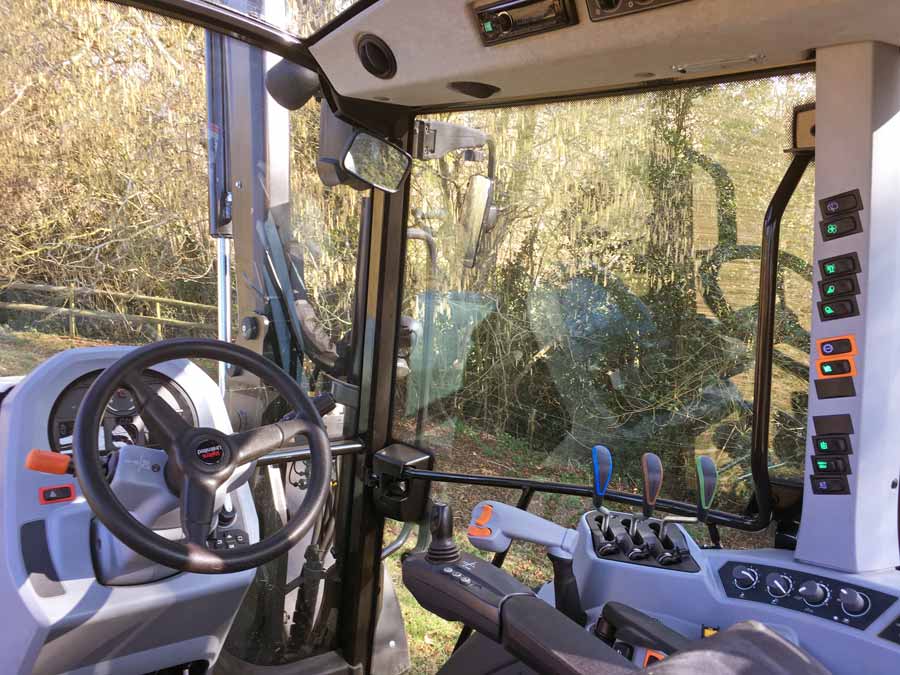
[[376, 162], [474, 215]]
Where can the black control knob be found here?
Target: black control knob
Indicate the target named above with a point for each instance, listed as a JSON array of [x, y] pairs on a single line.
[[779, 585], [813, 593], [442, 548], [853, 602], [744, 577]]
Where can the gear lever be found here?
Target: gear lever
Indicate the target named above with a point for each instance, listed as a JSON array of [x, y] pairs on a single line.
[[707, 482], [603, 468], [442, 548], [652, 467]]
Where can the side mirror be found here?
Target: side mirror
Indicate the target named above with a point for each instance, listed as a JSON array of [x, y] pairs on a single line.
[[375, 161], [478, 214]]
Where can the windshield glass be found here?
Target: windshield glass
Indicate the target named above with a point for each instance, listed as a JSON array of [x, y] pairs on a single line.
[[300, 17], [613, 299]]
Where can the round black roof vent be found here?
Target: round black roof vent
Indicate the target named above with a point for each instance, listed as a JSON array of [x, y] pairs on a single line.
[[376, 57]]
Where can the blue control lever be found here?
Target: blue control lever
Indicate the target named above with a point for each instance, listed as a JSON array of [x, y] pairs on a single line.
[[603, 468]]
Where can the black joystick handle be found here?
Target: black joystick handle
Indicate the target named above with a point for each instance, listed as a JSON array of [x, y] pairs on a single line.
[[442, 548]]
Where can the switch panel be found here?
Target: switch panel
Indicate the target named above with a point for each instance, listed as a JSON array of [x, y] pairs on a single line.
[[826, 598], [892, 632]]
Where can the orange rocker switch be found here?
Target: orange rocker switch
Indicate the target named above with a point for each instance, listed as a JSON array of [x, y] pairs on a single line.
[[478, 529]]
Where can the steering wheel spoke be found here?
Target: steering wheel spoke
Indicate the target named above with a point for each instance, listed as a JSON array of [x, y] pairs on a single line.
[[156, 412], [198, 502], [256, 443]]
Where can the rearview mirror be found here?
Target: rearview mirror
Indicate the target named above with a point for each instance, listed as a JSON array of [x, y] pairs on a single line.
[[375, 161], [477, 214]]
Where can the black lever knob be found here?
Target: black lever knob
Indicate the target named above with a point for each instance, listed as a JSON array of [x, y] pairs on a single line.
[[442, 548]]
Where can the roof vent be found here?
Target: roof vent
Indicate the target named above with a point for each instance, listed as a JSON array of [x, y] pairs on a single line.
[[376, 57]]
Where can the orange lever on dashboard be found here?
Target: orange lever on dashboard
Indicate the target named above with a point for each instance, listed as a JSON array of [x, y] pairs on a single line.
[[474, 531], [48, 462]]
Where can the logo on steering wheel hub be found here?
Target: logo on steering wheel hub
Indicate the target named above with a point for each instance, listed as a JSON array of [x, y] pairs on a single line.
[[210, 452]]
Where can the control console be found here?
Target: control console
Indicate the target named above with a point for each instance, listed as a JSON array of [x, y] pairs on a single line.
[[847, 604], [457, 586]]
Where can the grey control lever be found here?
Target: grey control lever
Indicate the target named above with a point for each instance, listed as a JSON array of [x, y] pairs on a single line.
[[494, 526]]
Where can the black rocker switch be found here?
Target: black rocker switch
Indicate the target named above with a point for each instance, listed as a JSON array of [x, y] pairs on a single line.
[[442, 548]]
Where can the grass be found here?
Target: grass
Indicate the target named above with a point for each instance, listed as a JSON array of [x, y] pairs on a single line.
[[22, 351]]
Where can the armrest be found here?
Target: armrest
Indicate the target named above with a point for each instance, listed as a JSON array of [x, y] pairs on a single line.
[[549, 642], [642, 630]]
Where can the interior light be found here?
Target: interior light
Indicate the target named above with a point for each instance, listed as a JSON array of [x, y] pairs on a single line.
[[734, 63]]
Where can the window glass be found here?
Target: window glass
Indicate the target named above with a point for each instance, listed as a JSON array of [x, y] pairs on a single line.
[[104, 180], [301, 17], [614, 300]]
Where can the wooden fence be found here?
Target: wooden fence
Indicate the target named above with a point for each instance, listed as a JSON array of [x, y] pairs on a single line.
[[72, 293]]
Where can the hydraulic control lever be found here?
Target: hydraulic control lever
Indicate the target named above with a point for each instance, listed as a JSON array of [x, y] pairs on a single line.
[[494, 526], [603, 468], [707, 482], [652, 468]]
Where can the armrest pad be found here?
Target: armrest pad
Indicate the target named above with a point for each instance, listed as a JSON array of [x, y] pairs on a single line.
[[549, 642]]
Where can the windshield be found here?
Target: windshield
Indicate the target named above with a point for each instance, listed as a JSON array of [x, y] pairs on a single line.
[[300, 17], [614, 298]]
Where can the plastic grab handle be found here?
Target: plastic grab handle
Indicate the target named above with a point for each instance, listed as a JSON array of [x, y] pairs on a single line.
[[707, 482], [603, 468], [653, 479]]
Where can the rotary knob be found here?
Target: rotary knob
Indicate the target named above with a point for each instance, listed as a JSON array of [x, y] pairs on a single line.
[[744, 577], [853, 602], [779, 585], [813, 593]]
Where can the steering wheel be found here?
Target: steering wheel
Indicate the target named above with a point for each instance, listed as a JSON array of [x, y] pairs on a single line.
[[199, 461]]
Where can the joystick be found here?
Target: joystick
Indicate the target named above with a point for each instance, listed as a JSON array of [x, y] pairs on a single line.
[[603, 468], [442, 548]]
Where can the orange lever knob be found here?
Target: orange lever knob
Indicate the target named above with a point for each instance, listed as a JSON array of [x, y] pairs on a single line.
[[48, 462]]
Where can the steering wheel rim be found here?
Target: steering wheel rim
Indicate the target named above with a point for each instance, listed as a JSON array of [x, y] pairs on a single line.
[[199, 460]]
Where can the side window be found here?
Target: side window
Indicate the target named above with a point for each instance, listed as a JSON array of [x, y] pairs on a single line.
[[614, 301], [104, 180]]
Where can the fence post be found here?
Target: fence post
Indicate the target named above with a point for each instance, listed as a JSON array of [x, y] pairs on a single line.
[[72, 332], [159, 327]]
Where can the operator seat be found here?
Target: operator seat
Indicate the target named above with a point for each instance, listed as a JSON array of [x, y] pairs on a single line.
[[747, 648]]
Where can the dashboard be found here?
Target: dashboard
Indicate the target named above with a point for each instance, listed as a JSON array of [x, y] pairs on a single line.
[[74, 598], [122, 423]]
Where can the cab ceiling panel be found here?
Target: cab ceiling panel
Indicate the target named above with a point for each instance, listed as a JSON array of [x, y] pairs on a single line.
[[436, 42]]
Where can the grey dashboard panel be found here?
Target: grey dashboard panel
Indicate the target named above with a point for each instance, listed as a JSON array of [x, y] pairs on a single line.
[[57, 617], [688, 602]]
